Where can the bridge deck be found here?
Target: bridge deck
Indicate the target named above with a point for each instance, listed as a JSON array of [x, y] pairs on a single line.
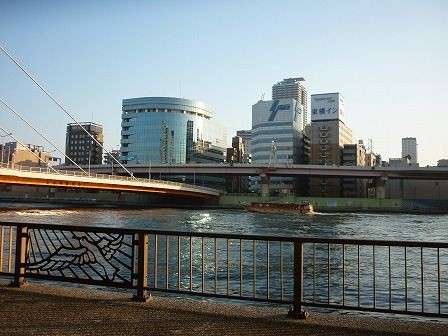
[[410, 172], [44, 177]]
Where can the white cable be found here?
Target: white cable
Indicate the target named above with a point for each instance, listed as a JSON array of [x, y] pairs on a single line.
[[43, 136], [66, 112], [29, 149]]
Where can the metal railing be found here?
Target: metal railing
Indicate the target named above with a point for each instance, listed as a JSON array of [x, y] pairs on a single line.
[[47, 170], [365, 275]]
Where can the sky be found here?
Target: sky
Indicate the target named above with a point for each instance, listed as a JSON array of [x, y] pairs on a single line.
[[388, 58]]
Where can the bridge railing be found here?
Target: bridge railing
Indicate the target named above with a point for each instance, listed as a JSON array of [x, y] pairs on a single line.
[[47, 170], [366, 275]]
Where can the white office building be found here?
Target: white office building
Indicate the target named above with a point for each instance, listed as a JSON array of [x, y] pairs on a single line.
[[409, 147], [277, 130]]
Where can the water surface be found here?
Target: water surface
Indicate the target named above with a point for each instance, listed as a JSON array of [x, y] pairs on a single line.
[[386, 226]]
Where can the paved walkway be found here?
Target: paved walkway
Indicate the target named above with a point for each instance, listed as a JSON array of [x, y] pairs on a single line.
[[38, 309]]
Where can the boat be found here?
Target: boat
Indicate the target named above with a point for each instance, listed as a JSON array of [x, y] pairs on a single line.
[[266, 207]]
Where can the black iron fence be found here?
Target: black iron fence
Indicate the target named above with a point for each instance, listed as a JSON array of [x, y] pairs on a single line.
[[366, 275]]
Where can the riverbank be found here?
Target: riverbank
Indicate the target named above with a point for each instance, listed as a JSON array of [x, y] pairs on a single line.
[[38, 309], [334, 204]]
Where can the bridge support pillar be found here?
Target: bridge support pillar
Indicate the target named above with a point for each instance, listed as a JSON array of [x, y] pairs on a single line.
[[380, 190], [264, 185]]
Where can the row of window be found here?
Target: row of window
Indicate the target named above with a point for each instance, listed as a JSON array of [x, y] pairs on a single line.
[[76, 142], [257, 158], [273, 124], [78, 154], [82, 136], [75, 136], [163, 110], [271, 132], [269, 140], [78, 147]]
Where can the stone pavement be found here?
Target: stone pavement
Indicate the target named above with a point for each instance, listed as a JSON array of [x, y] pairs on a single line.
[[38, 309]]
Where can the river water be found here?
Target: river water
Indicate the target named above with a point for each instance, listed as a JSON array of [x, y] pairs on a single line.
[[382, 226], [385, 226]]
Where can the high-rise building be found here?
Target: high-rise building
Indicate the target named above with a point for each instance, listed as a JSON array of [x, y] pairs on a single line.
[[329, 134], [80, 147], [409, 148], [277, 132], [293, 88], [170, 130], [246, 137]]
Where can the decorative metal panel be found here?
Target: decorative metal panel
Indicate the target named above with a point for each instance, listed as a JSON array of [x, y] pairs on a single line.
[[74, 255]]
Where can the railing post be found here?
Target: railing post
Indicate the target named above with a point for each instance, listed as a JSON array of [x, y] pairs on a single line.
[[142, 268], [21, 253], [296, 311]]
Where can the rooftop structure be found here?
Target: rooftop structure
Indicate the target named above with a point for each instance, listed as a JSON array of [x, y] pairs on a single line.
[[293, 88]]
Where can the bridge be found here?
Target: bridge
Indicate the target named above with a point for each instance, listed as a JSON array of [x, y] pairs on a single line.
[[424, 173], [39, 176]]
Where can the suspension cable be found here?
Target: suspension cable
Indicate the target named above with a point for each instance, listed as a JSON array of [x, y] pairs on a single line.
[[29, 149], [38, 132], [66, 112]]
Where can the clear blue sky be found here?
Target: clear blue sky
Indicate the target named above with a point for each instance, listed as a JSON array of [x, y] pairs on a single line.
[[389, 59]]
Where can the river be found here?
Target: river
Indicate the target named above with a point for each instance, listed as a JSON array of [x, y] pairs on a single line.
[[385, 226]]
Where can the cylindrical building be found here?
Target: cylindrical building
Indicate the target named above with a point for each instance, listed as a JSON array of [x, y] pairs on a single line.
[[169, 130]]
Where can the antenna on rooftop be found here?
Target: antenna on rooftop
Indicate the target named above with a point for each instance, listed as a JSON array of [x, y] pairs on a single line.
[[262, 96]]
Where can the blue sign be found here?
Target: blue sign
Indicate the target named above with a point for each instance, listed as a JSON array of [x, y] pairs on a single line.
[[276, 107]]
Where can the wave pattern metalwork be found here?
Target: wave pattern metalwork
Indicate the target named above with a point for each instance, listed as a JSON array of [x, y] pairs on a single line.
[[75, 255]]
